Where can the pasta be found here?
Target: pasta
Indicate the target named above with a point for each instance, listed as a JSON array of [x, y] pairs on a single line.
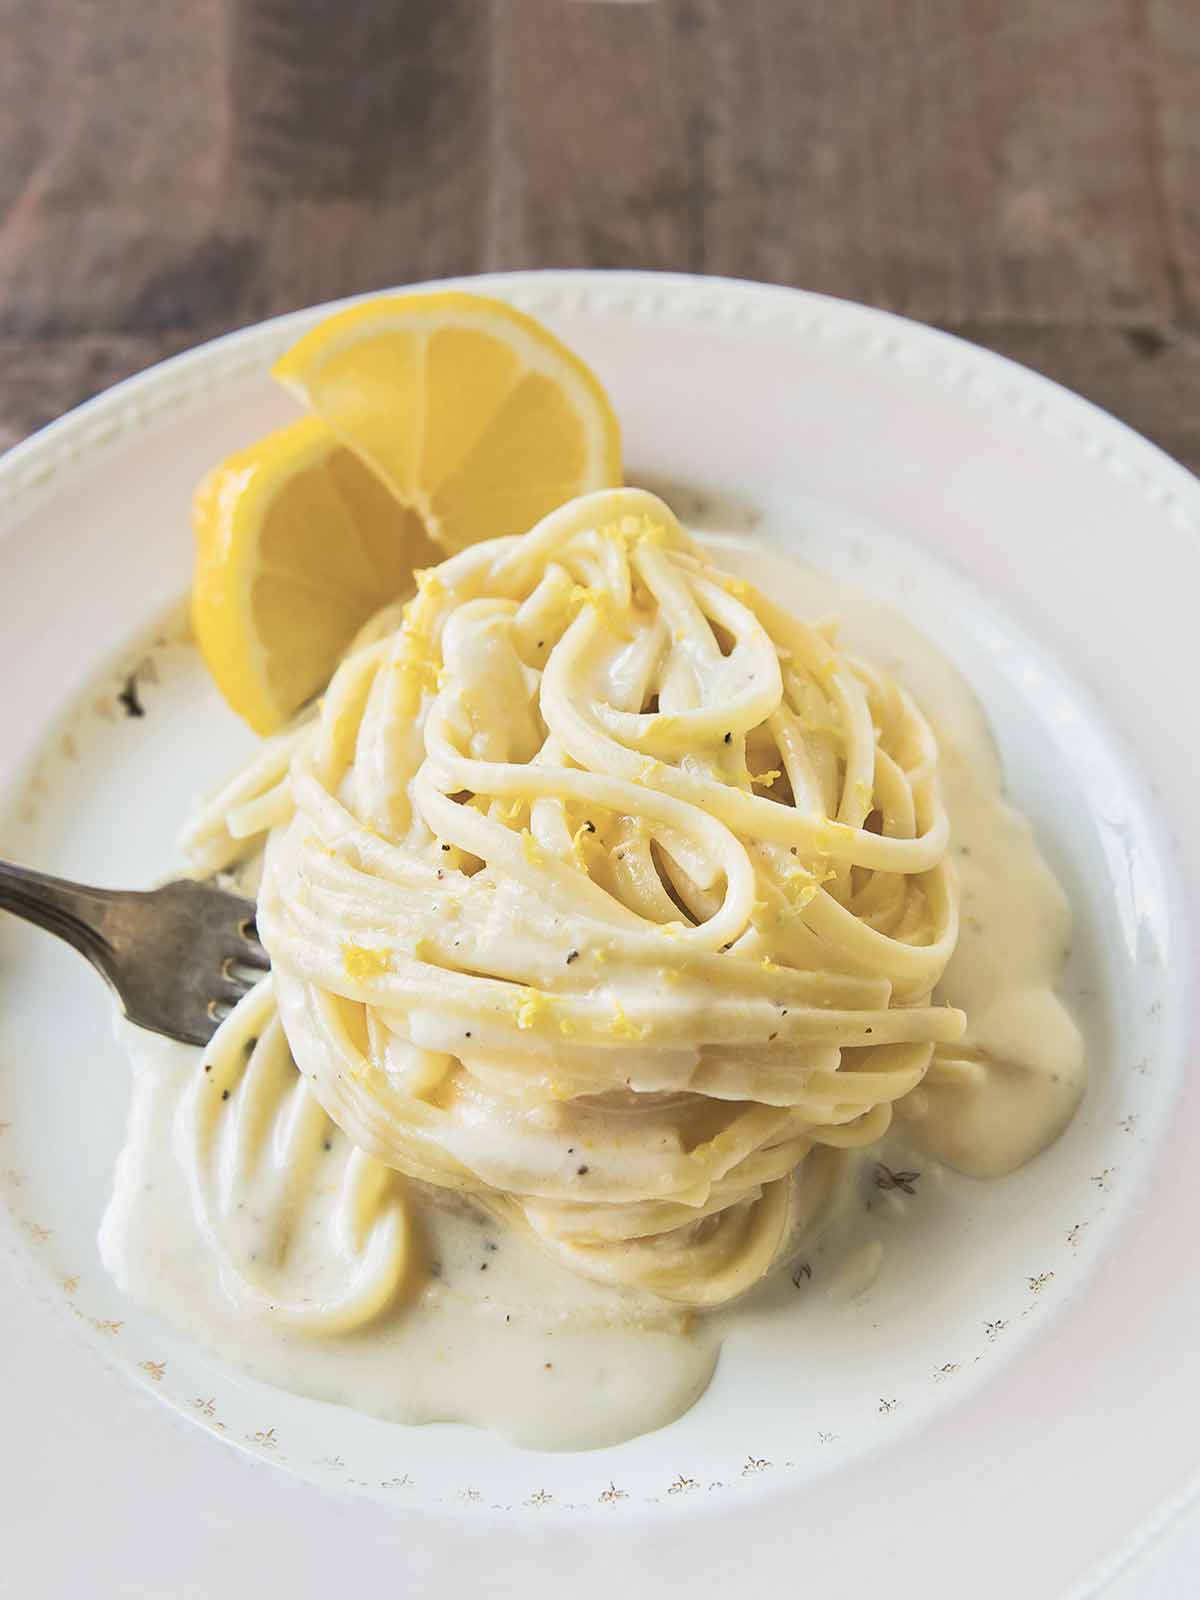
[[601, 889]]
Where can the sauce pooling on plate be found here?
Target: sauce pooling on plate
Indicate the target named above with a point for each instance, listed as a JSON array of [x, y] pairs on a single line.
[[486, 1327]]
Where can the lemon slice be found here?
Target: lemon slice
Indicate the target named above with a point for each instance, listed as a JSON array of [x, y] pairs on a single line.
[[473, 414], [297, 543]]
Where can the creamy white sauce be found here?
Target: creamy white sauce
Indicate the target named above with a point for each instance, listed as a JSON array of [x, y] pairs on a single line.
[[493, 1332]]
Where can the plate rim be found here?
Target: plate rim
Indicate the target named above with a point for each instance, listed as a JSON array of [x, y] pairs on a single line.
[[31, 469], [79, 436]]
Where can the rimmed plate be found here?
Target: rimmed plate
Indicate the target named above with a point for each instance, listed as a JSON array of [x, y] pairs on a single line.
[[1011, 1402]]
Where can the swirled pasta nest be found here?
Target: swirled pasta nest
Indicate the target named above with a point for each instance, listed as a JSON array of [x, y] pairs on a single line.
[[602, 888]]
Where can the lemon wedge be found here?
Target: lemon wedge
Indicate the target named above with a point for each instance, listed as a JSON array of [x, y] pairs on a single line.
[[473, 414], [440, 419], [297, 544]]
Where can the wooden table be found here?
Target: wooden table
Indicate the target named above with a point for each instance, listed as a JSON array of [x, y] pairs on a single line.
[[1024, 172]]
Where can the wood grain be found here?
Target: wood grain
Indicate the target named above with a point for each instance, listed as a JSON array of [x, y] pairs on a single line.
[[1025, 173]]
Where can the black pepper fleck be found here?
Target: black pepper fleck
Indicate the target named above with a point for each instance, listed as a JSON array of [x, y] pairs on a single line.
[[329, 1144], [729, 738], [128, 697], [224, 1094], [445, 847], [771, 1036], [582, 1171], [483, 1266], [208, 1066], [885, 1178], [467, 1035], [572, 955]]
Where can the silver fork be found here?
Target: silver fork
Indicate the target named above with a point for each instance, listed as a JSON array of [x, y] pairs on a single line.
[[178, 958]]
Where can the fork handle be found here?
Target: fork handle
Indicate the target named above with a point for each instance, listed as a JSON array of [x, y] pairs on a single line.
[[75, 912]]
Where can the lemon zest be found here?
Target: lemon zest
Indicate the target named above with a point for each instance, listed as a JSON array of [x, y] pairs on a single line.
[[420, 669], [601, 602], [361, 961], [583, 839], [530, 1007], [622, 1028]]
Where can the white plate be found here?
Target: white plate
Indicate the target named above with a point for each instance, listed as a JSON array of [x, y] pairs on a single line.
[[1011, 1405]]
